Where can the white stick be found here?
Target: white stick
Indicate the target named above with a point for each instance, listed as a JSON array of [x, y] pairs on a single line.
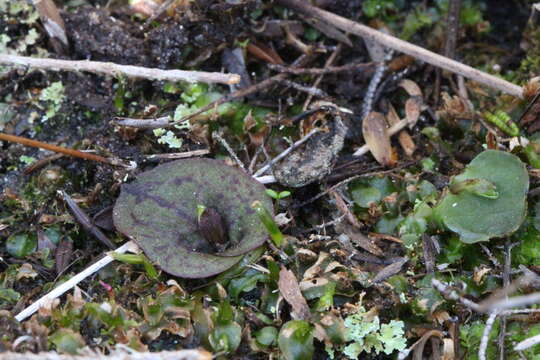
[[485, 335], [112, 69], [527, 343], [60, 290]]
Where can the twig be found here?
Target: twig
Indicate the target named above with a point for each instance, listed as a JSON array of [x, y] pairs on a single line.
[[58, 149], [311, 90], [112, 69], [143, 123], [287, 151], [506, 282], [516, 301], [405, 47], [181, 155], [453, 295], [85, 221], [452, 25], [527, 343], [485, 336], [41, 163], [317, 81], [66, 286], [114, 355], [360, 67], [229, 149]]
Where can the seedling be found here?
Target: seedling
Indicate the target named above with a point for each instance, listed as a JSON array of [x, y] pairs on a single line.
[[269, 223]]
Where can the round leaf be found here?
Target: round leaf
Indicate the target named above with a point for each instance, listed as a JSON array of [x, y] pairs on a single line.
[[296, 340], [21, 245], [159, 211], [480, 218]]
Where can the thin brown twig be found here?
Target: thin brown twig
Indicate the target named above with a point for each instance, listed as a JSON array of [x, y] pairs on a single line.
[[58, 149], [112, 69], [405, 47], [317, 81], [322, 71], [41, 163]]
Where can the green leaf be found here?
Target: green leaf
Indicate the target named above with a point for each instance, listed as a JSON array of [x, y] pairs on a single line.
[[477, 218], [267, 336], [67, 341], [226, 337], [296, 340], [21, 245], [159, 211]]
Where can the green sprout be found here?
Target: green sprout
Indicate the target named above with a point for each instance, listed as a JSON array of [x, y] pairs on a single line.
[[503, 121], [137, 259], [268, 222]]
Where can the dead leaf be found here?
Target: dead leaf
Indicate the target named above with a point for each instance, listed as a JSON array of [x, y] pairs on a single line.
[[390, 270], [413, 107], [410, 87], [265, 53], [344, 209], [290, 290], [405, 140], [26, 271], [315, 269], [377, 139], [63, 255], [359, 239]]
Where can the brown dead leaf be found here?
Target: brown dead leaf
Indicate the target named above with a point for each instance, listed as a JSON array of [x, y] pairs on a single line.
[[405, 140], [265, 53], [290, 290], [256, 137], [413, 107], [390, 270], [410, 87], [359, 239], [316, 269], [344, 209], [377, 139], [63, 254]]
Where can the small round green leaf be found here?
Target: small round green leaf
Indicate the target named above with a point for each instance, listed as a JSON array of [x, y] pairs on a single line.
[[267, 336], [21, 245], [160, 212], [477, 217], [296, 340]]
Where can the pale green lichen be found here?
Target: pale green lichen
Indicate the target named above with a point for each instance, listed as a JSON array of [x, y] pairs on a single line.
[[53, 95], [367, 334], [168, 138]]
